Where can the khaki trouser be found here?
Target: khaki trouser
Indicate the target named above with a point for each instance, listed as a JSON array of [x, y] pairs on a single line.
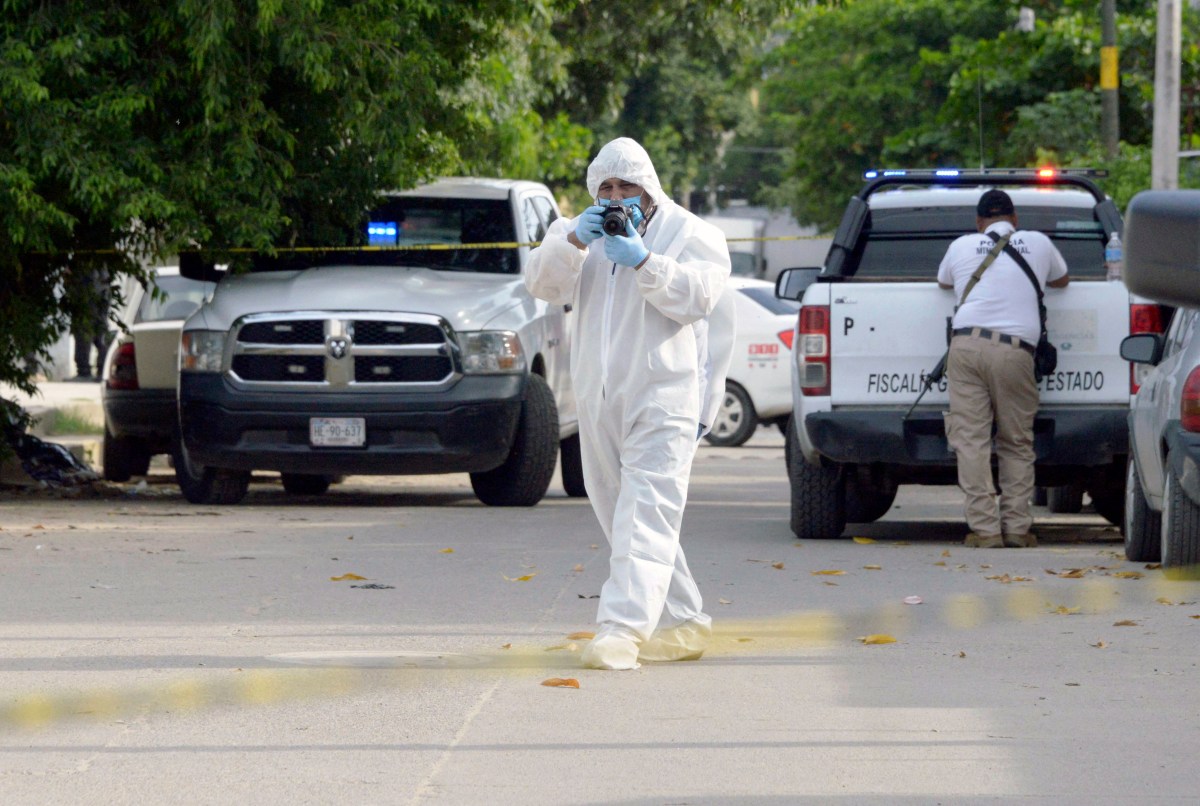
[[992, 382]]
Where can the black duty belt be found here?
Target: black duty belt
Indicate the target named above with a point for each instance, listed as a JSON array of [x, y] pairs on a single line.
[[1003, 338]]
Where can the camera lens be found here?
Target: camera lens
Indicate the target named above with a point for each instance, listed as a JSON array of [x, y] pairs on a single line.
[[614, 220]]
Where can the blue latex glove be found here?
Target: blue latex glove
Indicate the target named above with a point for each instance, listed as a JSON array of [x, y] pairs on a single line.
[[590, 224], [627, 250]]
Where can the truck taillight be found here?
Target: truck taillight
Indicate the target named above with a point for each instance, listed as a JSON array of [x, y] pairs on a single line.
[[786, 336], [1143, 318], [122, 373], [1189, 404], [813, 352]]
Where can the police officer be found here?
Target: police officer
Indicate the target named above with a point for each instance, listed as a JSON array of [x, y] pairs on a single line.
[[990, 368]]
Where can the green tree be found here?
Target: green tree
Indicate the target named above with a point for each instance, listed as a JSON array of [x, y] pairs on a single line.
[[129, 129]]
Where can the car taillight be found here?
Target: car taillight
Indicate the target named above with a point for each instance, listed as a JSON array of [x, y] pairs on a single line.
[[122, 374], [1143, 318], [1189, 404], [813, 353], [786, 337]]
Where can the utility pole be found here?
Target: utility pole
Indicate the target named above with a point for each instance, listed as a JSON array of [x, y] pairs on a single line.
[[1110, 122], [1164, 155]]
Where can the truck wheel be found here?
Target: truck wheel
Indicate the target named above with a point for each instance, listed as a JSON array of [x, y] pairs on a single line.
[[207, 485], [572, 467], [818, 497], [1143, 526], [123, 457], [868, 499], [736, 420], [305, 483], [1065, 500], [1180, 545], [523, 478]]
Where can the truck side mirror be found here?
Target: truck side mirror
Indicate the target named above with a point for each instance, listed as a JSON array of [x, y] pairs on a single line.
[[1143, 348], [1162, 246], [194, 266], [791, 283]]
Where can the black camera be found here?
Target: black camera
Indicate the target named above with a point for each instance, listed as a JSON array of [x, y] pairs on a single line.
[[614, 220]]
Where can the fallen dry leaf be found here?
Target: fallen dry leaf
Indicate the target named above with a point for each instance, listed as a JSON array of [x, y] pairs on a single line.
[[1070, 573], [582, 635], [39, 526], [946, 553], [524, 578], [447, 551], [863, 540], [578, 567], [1162, 600], [1128, 574], [778, 566], [594, 546], [1063, 610], [942, 563], [506, 646], [1125, 623], [555, 648], [1193, 616], [962, 654], [561, 682], [344, 577], [745, 640], [724, 601], [1099, 645], [872, 567], [1153, 566], [830, 584], [1006, 579], [828, 573], [878, 638]]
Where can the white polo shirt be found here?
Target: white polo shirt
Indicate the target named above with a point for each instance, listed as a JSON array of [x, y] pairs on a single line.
[[1003, 300]]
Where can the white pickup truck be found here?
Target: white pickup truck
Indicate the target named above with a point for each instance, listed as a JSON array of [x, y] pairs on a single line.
[[423, 353], [873, 323]]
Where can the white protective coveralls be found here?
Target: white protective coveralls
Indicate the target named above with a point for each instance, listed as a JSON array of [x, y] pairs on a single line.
[[635, 365]]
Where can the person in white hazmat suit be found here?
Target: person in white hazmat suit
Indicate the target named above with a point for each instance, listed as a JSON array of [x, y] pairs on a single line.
[[650, 332]]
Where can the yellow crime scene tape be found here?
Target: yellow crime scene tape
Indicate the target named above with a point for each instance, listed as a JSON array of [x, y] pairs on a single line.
[[339, 674], [424, 247]]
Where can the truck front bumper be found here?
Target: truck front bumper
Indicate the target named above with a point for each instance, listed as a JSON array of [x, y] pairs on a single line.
[[1075, 437], [467, 428]]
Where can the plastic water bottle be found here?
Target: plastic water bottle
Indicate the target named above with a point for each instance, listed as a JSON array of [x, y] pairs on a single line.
[[1114, 260]]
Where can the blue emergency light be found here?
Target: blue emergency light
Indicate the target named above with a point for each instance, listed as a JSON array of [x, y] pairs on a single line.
[[382, 233]]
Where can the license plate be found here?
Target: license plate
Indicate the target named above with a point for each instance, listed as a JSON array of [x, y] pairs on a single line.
[[337, 432]]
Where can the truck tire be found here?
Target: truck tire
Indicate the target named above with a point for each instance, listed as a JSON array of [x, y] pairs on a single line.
[[571, 464], [1065, 500], [525, 475], [305, 483], [868, 498], [1143, 526], [1180, 526], [123, 457], [207, 485], [736, 420], [818, 497]]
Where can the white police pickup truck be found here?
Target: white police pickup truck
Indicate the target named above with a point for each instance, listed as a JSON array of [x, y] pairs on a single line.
[[424, 354], [873, 323]]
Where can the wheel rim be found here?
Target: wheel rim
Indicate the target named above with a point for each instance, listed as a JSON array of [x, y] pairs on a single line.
[[729, 416]]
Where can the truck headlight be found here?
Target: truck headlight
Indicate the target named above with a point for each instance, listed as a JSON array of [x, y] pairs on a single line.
[[201, 350], [491, 352]]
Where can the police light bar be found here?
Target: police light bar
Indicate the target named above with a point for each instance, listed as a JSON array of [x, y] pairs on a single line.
[[951, 173]]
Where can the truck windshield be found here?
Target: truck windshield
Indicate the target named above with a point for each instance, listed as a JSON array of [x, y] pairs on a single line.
[[909, 243], [431, 232]]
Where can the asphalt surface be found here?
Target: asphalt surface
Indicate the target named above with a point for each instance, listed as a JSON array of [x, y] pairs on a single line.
[[156, 651]]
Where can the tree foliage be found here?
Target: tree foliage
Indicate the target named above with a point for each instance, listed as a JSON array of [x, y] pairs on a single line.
[[862, 84]]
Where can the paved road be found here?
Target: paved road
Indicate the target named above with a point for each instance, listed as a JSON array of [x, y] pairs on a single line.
[[156, 651]]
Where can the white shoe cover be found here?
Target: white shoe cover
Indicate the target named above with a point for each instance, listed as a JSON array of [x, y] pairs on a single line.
[[685, 642], [613, 649]]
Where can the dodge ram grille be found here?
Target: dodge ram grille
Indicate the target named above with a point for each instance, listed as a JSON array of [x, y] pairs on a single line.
[[374, 351]]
